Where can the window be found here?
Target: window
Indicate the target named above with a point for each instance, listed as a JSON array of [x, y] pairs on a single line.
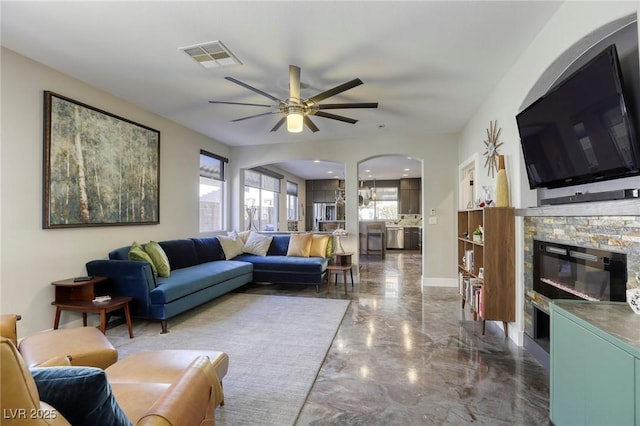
[[212, 192], [382, 206], [292, 201], [261, 193]]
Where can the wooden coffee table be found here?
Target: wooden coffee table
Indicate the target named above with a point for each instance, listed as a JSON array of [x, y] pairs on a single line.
[[335, 269], [78, 296]]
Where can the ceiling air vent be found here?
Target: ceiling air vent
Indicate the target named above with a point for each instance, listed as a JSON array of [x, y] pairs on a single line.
[[212, 54]]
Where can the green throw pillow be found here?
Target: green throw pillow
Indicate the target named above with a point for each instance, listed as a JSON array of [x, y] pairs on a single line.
[[330, 247], [158, 258], [136, 252]]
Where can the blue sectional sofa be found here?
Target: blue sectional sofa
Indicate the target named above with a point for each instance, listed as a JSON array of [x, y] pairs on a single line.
[[199, 273]]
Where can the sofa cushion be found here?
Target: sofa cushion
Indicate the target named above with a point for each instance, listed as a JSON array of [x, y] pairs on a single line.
[[121, 253], [137, 252], [257, 244], [208, 249], [286, 263], [181, 253], [158, 258], [81, 394], [329, 247], [279, 245], [299, 245], [190, 280], [319, 244], [231, 245], [244, 235]]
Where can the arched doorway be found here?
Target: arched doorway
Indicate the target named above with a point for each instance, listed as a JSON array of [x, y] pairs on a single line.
[[390, 195]]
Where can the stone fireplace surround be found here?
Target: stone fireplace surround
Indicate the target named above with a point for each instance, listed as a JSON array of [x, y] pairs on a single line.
[[612, 225]]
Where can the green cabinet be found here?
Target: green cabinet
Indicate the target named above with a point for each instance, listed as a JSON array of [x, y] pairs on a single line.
[[593, 374]]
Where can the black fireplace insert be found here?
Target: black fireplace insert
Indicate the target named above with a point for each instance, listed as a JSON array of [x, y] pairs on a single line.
[[570, 272]]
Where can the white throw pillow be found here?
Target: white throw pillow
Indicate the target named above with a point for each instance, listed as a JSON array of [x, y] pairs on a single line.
[[243, 235], [257, 244], [232, 246]]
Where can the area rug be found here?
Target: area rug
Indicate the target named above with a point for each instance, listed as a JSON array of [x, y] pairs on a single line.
[[276, 345]]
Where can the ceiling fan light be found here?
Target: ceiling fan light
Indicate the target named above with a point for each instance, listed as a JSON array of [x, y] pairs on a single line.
[[295, 120]]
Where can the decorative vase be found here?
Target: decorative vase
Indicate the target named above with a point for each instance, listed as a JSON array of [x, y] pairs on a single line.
[[502, 185]]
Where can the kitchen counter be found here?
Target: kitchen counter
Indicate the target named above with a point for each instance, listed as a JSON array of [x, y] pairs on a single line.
[[375, 243], [330, 225], [613, 318]]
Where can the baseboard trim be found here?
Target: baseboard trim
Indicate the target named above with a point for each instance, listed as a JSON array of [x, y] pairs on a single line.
[[439, 282]]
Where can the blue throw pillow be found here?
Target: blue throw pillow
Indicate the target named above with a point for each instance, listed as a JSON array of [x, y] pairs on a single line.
[[81, 394], [279, 245], [208, 249]]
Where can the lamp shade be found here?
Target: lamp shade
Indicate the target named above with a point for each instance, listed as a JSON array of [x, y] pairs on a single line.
[[340, 232], [295, 119], [337, 234]]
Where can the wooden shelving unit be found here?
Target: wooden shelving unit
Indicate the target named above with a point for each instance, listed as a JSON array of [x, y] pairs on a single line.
[[488, 266]]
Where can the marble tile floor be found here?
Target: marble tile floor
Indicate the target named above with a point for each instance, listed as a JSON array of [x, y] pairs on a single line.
[[404, 355]]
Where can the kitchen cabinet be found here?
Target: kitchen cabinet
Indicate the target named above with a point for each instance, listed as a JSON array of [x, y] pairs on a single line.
[[322, 191], [410, 196], [412, 238]]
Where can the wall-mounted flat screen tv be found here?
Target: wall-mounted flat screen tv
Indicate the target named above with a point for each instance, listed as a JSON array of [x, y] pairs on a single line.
[[581, 130]]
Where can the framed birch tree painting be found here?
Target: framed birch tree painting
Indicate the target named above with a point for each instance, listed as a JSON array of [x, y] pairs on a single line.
[[99, 169]]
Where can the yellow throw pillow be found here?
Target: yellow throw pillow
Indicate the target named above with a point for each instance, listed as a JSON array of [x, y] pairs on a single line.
[[319, 244], [299, 245], [158, 258], [232, 246], [136, 252]]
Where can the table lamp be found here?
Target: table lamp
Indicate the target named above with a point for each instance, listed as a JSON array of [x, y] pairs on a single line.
[[337, 234]]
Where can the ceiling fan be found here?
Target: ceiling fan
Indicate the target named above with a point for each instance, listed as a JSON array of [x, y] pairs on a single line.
[[296, 111]]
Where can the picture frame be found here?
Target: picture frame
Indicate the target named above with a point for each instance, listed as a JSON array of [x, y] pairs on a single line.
[[99, 169]]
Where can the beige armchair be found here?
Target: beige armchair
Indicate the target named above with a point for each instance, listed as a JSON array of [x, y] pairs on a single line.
[[80, 346], [151, 387], [189, 400], [18, 393]]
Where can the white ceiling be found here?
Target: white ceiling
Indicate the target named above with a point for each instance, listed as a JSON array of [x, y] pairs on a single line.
[[429, 64]]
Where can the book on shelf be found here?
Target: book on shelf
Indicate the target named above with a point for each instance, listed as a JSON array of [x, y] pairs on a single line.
[[475, 286], [468, 260]]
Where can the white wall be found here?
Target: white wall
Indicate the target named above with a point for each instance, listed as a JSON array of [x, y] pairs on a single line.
[[439, 171], [33, 257], [571, 22]]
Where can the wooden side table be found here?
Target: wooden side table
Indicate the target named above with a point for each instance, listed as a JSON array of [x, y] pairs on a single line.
[[342, 259], [335, 269], [78, 296]]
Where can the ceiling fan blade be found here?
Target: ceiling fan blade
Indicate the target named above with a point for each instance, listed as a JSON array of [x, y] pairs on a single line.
[[332, 92], [245, 85], [294, 83], [279, 124], [351, 105], [335, 117], [239, 103], [310, 124], [254, 116]]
